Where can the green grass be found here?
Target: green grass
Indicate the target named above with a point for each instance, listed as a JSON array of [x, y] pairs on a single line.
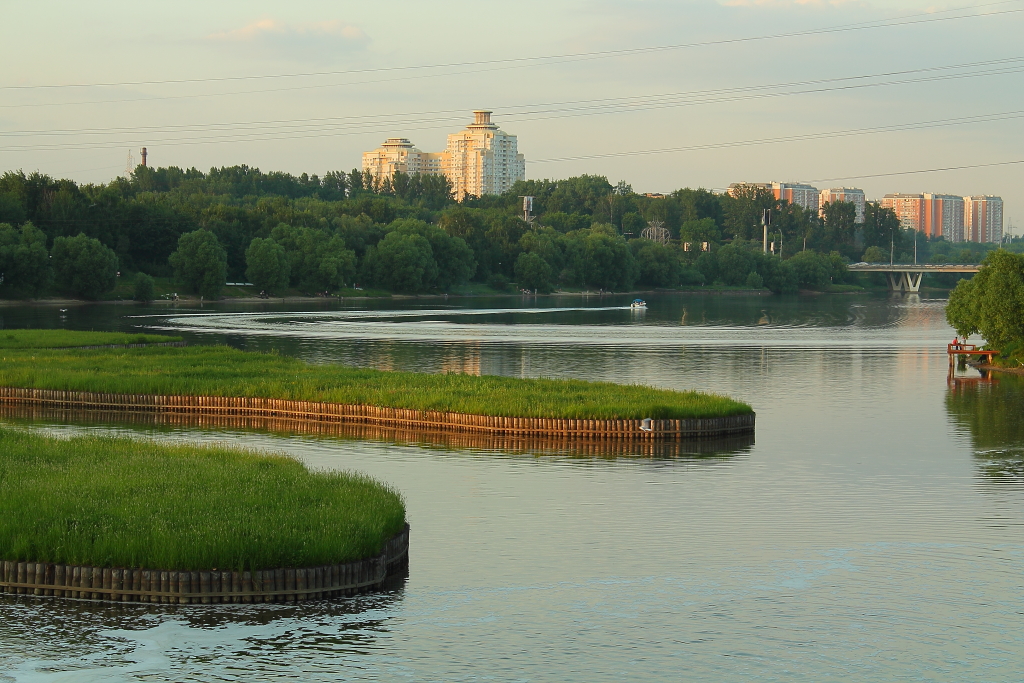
[[52, 339], [129, 503], [223, 371]]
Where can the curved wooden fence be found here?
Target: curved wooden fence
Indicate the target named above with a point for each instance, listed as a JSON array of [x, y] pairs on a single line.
[[376, 415], [205, 587]]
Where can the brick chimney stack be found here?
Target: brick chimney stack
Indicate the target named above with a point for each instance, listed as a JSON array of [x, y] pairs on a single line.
[[143, 156]]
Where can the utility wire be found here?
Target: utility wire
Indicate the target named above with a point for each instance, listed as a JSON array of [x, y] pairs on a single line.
[[518, 62], [309, 130], [919, 18], [999, 66], [921, 125], [920, 170]]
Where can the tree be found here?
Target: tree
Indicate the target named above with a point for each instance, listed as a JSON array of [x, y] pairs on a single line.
[[598, 257], [454, 258], [267, 265], [144, 288], [874, 254], [992, 302], [317, 260], [659, 265], [813, 271], [533, 272], [403, 262], [200, 263], [839, 222], [24, 261], [698, 231], [881, 228], [83, 266]]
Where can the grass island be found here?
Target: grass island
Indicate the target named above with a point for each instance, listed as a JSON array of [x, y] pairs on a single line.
[[221, 371]]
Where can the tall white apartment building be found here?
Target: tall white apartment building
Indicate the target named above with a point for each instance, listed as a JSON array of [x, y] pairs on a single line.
[[983, 218], [482, 159], [851, 195]]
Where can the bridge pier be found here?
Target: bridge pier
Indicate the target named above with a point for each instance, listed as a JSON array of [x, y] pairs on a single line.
[[905, 281]]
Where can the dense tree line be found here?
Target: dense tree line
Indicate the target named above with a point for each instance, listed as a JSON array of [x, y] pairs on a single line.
[[407, 234]]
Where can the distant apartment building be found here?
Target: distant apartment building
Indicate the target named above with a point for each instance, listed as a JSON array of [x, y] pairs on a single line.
[[943, 216], [799, 194], [850, 195], [983, 218], [482, 159], [794, 193], [909, 209], [398, 155]]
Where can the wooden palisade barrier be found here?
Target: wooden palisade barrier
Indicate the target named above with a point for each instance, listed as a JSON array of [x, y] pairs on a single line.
[[205, 587], [376, 415]]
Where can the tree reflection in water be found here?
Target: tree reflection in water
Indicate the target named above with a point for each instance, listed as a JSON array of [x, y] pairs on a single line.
[[992, 412]]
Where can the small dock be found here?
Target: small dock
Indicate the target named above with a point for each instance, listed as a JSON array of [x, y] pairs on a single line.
[[959, 349]]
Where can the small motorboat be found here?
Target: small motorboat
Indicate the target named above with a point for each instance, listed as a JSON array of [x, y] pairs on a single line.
[[638, 303]]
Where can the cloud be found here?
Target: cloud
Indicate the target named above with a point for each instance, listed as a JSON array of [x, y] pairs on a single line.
[[303, 41]]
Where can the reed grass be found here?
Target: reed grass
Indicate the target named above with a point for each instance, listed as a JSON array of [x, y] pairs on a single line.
[[52, 339], [117, 502], [223, 371]]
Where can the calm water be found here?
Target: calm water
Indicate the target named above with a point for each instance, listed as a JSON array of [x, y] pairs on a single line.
[[872, 531]]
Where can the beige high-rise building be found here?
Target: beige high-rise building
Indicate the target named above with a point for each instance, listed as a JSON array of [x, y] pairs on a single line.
[[399, 155], [482, 159], [983, 218], [851, 195]]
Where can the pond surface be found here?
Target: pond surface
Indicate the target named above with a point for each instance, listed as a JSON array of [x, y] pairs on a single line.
[[872, 530]]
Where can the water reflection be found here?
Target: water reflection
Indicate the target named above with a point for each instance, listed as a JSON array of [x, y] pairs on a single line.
[[720, 447], [990, 411], [49, 639]]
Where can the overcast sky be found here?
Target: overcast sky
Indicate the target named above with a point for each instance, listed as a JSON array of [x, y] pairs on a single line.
[[710, 91]]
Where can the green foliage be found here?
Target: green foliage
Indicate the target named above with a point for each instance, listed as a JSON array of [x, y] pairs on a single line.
[[145, 289], [533, 272], [874, 254], [633, 223], [317, 260], [221, 371], [568, 222], [200, 263], [882, 228], [267, 265], [599, 257], [659, 265], [839, 226], [818, 271], [992, 302], [454, 258], [402, 262], [698, 231], [24, 261], [59, 339], [754, 281], [128, 503], [83, 266]]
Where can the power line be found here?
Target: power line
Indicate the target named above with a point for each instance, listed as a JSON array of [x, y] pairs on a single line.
[[920, 170], [304, 129], [921, 18], [1002, 66], [983, 118]]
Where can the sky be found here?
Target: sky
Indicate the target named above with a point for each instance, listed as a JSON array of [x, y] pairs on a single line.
[[841, 93]]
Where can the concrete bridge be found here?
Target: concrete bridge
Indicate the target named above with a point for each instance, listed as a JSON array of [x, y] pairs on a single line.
[[906, 277]]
